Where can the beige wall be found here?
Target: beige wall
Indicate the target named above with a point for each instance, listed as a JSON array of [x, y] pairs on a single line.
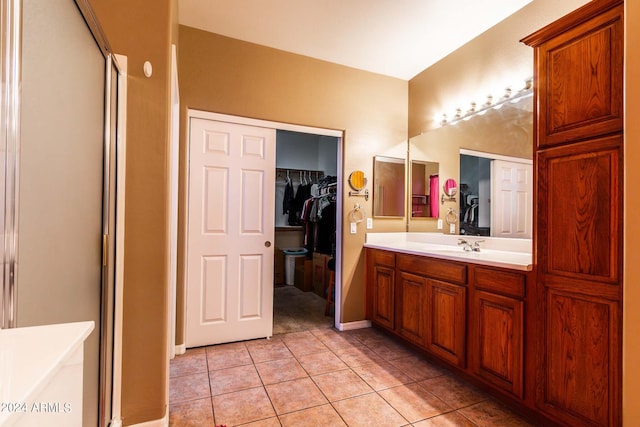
[[224, 75], [142, 31], [631, 327]]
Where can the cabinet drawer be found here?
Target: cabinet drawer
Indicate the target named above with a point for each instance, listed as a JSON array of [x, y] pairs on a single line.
[[503, 282], [383, 257], [429, 267]]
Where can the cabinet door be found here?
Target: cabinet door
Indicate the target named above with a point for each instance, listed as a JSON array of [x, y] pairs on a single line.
[[580, 210], [412, 307], [383, 296], [499, 333], [579, 382], [446, 330], [580, 281], [581, 94]]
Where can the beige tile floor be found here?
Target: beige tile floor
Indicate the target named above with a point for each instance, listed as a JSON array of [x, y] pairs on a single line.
[[322, 377]]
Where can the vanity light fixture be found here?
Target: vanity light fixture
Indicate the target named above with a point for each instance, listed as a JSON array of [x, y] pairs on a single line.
[[508, 96]]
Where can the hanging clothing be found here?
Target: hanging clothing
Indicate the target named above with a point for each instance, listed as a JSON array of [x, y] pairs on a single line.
[[302, 194], [287, 200], [326, 230]]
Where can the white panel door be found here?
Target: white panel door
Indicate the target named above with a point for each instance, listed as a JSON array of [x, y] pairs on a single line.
[[230, 232], [512, 199]]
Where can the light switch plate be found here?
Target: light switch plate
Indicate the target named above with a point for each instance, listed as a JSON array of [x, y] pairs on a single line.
[[452, 228], [354, 228], [440, 224], [369, 223]]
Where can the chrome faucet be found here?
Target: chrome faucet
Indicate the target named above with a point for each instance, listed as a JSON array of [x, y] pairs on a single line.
[[476, 245], [468, 246]]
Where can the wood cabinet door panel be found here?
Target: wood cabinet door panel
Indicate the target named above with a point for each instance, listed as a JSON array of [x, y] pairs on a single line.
[[429, 267], [383, 296], [582, 89], [500, 329], [580, 377], [504, 282], [446, 331], [379, 257], [579, 210], [412, 307]]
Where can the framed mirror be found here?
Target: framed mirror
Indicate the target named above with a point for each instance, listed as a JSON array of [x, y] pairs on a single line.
[[389, 187], [450, 188], [425, 189]]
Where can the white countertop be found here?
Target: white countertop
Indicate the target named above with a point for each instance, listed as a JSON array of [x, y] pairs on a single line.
[[31, 356], [497, 252]]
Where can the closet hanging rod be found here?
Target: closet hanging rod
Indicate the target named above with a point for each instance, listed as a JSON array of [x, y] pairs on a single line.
[[298, 170]]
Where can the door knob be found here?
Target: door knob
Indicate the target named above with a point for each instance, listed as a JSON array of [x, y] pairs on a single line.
[[267, 243]]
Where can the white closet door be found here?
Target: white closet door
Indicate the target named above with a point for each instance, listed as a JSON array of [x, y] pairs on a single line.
[[230, 232]]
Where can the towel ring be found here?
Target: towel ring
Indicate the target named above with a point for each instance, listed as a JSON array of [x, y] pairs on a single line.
[[452, 216], [358, 214]]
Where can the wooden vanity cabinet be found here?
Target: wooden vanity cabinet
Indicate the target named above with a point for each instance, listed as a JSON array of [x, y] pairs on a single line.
[[381, 288], [412, 303], [579, 227], [497, 334], [446, 321], [441, 315], [468, 315]]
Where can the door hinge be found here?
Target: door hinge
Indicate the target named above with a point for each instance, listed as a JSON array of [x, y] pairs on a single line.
[[105, 243]]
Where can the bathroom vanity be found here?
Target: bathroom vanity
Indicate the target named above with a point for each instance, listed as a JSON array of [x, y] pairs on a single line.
[[41, 374], [468, 309]]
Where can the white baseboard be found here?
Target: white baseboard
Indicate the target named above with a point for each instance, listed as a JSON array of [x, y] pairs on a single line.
[[360, 324], [115, 423], [181, 349]]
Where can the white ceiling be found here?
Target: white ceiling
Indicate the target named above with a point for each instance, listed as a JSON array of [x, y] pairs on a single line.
[[398, 38]]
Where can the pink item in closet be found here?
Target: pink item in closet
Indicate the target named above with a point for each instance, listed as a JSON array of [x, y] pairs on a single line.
[[434, 185]]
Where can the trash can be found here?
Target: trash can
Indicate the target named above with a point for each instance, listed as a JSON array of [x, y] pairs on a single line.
[[290, 256]]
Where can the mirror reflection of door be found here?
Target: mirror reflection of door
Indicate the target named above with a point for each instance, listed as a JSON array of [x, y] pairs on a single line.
[[495, 200], [389, 189], [425, 188]]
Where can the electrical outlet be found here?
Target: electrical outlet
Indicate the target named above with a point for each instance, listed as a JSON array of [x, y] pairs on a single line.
[[452, 228], [354, 228], [369, 223], [440, 224]]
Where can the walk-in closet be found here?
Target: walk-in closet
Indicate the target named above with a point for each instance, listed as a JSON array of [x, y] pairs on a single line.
[[305, 231]]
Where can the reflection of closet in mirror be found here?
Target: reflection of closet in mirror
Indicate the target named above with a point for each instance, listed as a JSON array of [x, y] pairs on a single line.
[[388, 189], [495, 195], [424, 189], [475, 195]]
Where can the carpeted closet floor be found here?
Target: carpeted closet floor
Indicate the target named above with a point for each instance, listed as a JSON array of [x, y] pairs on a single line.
[[297, 311]]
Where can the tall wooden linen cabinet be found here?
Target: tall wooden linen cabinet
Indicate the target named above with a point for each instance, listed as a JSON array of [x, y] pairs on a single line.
[[578, 221]]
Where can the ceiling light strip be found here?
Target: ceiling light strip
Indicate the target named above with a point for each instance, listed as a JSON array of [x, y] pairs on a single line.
[[508, 96]]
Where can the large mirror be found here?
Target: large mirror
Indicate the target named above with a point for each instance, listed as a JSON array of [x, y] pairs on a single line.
[[425, 189], [500, 134], [388, 189]]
